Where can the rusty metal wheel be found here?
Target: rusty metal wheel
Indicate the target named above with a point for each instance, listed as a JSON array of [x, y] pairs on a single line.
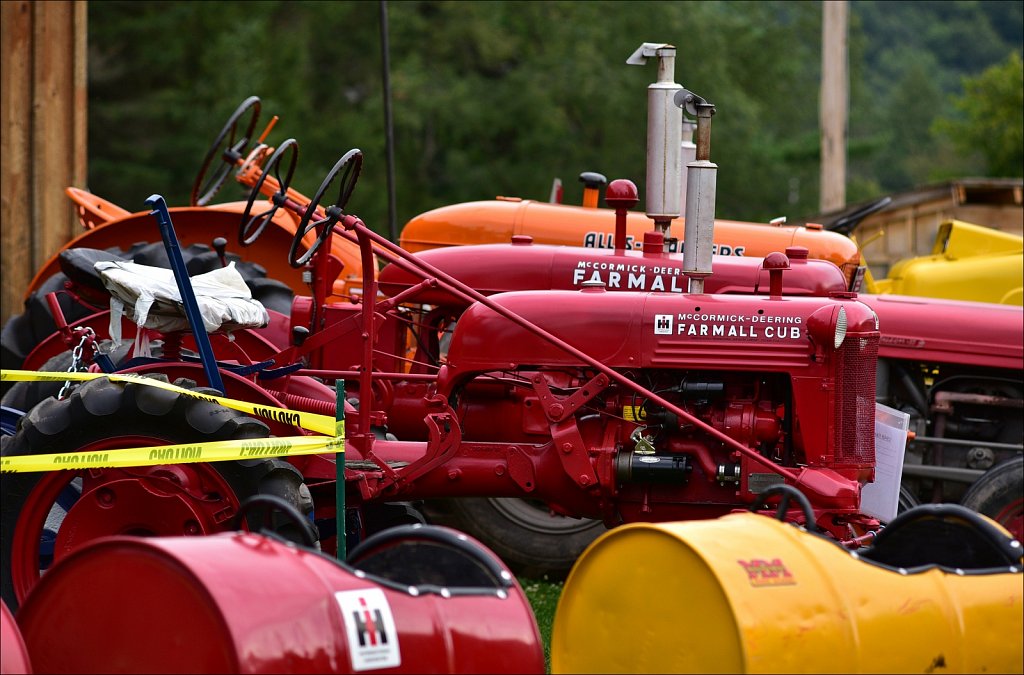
[[48, 515]]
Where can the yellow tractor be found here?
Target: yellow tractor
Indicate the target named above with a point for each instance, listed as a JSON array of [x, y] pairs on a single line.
[[967, 262]]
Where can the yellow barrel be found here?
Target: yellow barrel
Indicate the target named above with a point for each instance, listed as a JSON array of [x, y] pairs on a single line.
[[748, 594]]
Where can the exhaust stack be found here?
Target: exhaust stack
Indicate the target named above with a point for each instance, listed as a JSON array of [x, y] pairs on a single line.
[[701, 182], [664, 137]]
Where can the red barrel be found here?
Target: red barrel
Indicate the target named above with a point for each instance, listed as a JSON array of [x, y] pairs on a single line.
[[426, 599], [13, 654]]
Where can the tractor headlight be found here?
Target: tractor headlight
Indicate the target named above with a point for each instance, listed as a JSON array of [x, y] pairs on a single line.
[[840, 333], [828, 325]]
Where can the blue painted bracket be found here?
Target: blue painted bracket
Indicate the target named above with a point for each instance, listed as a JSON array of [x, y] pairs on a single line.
[[9, 420]]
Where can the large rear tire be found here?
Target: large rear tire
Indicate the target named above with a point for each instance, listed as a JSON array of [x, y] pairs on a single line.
[[47, 515], [999, 494], [532, 541], [26, 395]]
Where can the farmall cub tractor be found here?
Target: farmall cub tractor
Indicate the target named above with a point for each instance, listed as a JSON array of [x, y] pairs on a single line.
[[956, 368], [619, 407]]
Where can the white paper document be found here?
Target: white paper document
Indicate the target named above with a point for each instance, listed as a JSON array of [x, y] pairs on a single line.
[[880, 499]]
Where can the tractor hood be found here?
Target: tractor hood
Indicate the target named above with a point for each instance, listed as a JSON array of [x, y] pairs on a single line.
[[652, 330], [949, 331], [489, 222], [524, 265]]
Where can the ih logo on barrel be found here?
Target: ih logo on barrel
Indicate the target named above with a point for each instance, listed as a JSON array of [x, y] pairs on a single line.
[[370, 626], [767, 572]]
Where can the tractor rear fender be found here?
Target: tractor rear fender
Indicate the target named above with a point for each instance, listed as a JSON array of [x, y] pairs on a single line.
[[201, 225], [524, 265], [246, 346], [237, 387], [489, 222]]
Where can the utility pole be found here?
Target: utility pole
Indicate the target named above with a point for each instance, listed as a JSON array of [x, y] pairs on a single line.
[[834, 104], [389, 126]]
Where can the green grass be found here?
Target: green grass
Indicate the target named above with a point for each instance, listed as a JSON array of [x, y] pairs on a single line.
[[543, 596]]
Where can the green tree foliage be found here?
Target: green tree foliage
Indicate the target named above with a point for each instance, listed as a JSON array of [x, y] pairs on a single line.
[[992, 118], [907, 59], [499, 98]]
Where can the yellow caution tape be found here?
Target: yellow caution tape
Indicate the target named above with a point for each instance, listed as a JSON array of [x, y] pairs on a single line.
[[312, 421], [214, 451]]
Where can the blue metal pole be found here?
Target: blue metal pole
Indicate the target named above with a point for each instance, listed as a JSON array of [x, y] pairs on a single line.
[[188, 296]]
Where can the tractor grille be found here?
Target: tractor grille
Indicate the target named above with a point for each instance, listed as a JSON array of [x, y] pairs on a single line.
[[855, 402]]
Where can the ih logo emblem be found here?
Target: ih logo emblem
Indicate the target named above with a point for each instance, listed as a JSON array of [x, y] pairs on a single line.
[[662, 324], [370, 628], [767, 572]]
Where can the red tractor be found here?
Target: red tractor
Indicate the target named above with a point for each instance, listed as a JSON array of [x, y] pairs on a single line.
[[954, 367], [620, 407], [600, 407]]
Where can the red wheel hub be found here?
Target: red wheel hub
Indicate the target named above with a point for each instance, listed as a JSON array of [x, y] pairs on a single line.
[[1012, 518], [170, 500]]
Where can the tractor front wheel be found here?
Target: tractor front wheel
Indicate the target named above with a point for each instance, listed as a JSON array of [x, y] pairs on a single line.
[[531, 540], [48, 515]]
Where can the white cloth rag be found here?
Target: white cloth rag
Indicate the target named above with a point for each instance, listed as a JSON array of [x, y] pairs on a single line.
[[149, 296]]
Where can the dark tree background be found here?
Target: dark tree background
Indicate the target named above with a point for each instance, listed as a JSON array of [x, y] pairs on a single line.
[[493, 98]]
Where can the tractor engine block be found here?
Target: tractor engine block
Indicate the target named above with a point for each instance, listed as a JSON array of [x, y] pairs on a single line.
[[711, 400]]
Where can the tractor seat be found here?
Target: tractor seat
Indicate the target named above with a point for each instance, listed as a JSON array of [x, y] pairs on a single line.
[[78, 264], [149, 296], [949, 536]]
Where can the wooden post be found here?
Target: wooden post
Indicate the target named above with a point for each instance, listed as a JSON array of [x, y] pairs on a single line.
[[834, 104], [43, 140]]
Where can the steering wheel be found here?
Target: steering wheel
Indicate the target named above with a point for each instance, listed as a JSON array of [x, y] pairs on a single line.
[[787, 492], [252, 227], [845, 224], [348, 168], [229, 146]]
